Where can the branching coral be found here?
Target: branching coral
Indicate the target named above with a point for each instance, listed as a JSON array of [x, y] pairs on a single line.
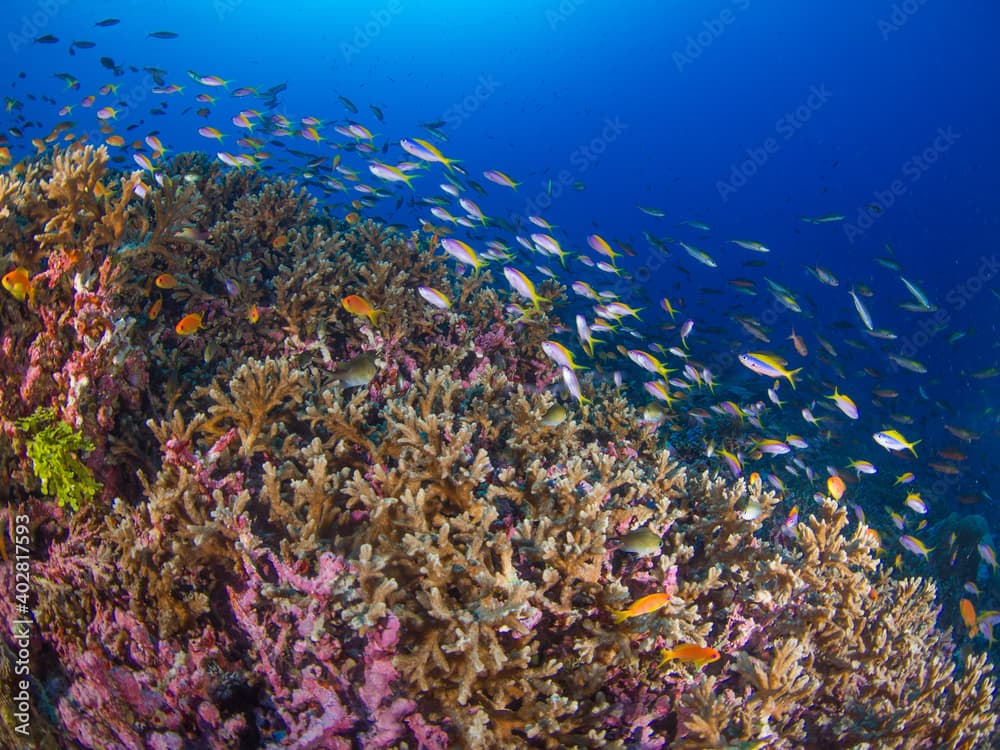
[[417, 557]]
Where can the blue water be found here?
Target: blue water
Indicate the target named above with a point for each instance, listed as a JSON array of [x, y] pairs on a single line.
[[743, 115]]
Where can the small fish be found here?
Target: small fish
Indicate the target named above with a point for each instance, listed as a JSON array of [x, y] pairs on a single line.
[[434, 297], [697, 225], [862, 467], [863, 313], [698, 655], [18, 283], [163, 34], [905, 478], [357, 305], [968, 616], [891, 440], [757, 247], [772, 447], [154, 309], [143, 161], [189, 324], [917, 293], [560, 355], [573, 385], [522, 285], [655, 212], [915, 503], [768, 365], [618, 310], [961, 433], [700, 255], [835, 487], [989, 556], [426, 151], [732, 461], [461, 252], [600, 245], [824, 219], [554, 416], [47, 39], [348, 105], [844, 403], [389, 173], [641, 542], [909, 364], [166, 281], [799, 343], [788, 526], [653, 414], [253, 314], [643, 606], [500, 178], [915, 546], [192, 234], [823, 276], [358, 371], [753, 510], [108, 22]]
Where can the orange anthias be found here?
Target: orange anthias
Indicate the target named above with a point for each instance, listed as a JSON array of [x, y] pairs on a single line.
[[18, 283], [166, 281], [642, 606], [835, 486], [359, 306], [189, 324], [968, 616], [698, 655]]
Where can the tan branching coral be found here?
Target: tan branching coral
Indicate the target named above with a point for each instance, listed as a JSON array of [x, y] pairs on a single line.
[[257, 398], [429, 528], [833, 635]]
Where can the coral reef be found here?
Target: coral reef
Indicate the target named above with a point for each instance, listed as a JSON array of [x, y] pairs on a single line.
[[282, 556]]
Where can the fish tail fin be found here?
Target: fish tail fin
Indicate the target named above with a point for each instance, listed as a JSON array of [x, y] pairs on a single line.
[[619, 617], [910, 446], [791, 375]]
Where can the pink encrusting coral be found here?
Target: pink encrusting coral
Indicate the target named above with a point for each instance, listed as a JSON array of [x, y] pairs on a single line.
[[317, 530]]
